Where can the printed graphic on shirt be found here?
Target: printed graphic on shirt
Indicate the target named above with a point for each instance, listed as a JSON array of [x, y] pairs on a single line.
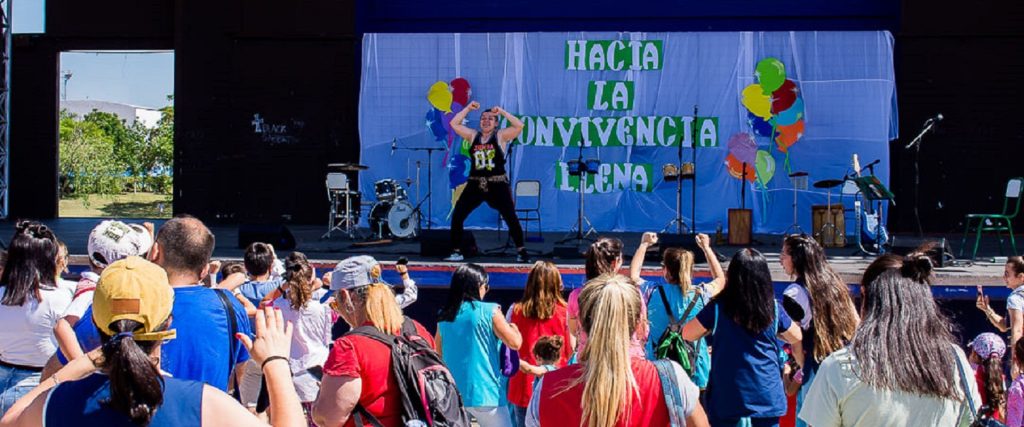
[[483, 157]]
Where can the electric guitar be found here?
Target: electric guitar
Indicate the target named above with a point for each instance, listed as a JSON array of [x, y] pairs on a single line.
[[870, 232]]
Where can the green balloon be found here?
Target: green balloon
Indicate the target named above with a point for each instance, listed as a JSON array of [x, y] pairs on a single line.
[[771, 74], [765, 166]]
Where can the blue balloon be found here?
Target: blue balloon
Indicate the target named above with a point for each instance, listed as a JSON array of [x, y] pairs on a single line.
[[435, 121], [759, 125], [458, 170], [792, 115]]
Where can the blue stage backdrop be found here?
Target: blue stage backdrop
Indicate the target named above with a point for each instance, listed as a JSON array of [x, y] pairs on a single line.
[[759, 105]]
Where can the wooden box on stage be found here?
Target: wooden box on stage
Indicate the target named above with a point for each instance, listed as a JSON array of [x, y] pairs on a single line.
[[829, 237], [740, 221]]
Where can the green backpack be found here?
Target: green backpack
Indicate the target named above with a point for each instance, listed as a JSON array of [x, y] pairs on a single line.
[[671, 344]]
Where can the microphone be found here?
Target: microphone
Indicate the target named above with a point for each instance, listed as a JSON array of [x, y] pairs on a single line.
[[393, 143], [938, 117], [870, 164]]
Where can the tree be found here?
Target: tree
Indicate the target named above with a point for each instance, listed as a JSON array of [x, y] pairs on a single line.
[[87, 163]]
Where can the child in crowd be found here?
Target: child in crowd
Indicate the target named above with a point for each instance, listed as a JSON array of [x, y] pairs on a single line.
[[547, 351], [987, 352], [1015, 396]]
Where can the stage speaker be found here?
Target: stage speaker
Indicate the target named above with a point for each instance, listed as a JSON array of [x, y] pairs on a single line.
[[902, 245], [437, 243], [684, 241], [275, 234], [568, 251]]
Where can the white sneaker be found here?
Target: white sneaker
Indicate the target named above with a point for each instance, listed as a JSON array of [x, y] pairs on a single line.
[[455, 257]]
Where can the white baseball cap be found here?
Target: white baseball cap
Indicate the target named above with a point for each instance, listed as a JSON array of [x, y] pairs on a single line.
[[114, 240]]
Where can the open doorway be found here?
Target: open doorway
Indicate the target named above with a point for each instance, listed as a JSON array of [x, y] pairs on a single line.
[[116, 134]]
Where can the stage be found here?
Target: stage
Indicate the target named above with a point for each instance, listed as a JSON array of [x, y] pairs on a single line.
[[986, 271]]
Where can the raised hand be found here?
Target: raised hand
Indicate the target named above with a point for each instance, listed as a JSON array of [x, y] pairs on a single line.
[[703, 241], [273, 336], [473, 105], [649, 238]]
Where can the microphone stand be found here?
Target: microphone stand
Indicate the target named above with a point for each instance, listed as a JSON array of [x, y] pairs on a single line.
[[916, 143], [430, 179]]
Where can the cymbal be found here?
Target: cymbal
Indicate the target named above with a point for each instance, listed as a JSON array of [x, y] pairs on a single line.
[[347, 167], [828, 183], [796, 174]]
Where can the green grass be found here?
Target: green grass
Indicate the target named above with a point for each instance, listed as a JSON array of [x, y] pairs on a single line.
[[128, 205]]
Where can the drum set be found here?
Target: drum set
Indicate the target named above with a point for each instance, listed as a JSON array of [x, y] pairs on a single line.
[[391, 216]]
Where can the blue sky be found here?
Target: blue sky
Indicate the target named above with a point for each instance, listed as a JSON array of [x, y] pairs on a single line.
[[138, 78]]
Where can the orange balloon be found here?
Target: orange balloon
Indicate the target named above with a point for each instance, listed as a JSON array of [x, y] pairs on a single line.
[[735, 167], [789, 135]]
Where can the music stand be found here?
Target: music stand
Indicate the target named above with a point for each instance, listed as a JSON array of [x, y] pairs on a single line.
[[874, 191]]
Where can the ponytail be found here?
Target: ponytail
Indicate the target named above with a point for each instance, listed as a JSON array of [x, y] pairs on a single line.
[[679, 265], [381, 308], [298, 277], [136, 387], [601, 257]]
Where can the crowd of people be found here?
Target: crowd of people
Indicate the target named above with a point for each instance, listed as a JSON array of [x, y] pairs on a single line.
[[155, 333]]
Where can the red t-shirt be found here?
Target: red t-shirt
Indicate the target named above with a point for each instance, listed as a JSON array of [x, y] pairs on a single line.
[[520, 386], [561, 407], [370, 360]]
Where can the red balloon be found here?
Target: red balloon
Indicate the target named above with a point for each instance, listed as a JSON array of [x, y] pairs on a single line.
[[735, 167], [784, 96], [460, 90]]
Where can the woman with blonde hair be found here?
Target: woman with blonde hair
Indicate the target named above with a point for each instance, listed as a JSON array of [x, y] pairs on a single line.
[[540, 313], [358, 369], [609, 387], [674, 304], [604, 257]]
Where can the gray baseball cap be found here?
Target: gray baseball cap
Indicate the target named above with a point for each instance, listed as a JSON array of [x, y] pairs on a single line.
[[354, 272]]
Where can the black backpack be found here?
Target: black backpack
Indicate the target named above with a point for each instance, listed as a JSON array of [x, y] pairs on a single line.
[[429, 396], [671, 344]]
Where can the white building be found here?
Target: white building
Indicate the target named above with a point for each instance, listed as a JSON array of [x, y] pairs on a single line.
[[129, 113]]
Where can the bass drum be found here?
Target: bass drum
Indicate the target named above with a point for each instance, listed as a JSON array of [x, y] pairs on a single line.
[[393, 219]]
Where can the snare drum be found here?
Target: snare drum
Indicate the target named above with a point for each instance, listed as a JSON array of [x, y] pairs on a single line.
[[388, 190]]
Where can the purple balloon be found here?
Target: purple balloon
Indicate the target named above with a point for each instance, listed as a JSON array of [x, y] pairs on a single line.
[[742, 146], [434, 120]]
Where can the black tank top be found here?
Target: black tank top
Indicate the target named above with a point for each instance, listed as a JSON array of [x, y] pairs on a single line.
[[486, 158]]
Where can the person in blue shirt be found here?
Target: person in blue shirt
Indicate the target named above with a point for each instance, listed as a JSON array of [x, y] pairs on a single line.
[[745, 385], [121, 384], [259, 261], [206, 319], [670, 300]]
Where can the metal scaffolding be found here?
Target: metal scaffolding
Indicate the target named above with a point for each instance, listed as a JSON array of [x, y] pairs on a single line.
[[5, 103]]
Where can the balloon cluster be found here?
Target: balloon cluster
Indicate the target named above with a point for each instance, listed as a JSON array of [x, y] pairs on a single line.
[[446, 99], [775, 110]]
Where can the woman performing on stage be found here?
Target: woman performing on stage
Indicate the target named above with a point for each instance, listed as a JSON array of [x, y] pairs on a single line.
[[488, 181]]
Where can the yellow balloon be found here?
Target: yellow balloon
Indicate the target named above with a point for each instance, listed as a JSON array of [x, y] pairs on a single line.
[[440, 96], [757, 102]]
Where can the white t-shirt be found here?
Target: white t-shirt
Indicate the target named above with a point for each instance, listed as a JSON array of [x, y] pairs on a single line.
[[800, 295], [26, 335], [1016, 299], [82, 302], [838, 398], [310, 335]]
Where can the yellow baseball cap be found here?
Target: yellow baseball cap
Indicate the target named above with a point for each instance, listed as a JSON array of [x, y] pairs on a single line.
[[134, 289]]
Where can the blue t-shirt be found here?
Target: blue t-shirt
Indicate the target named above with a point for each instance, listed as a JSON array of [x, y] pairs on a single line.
[[254, 291], [83, 403], [659, 320], [746, 380], [470, 349], [200, 351]]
